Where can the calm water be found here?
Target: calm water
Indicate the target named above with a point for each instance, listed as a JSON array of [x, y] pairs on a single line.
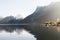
[[15, 33]]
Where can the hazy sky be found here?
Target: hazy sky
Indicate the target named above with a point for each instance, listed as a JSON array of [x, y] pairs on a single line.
[[21, 7]]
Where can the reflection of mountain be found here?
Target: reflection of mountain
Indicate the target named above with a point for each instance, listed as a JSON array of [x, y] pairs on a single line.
[[10, 28], [40, 15], [40, 32]]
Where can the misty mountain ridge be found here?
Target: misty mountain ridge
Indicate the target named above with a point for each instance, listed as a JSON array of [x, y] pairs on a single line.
[[10, 19], [45, 13], [41, 14]]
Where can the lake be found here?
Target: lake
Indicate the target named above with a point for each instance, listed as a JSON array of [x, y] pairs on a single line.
[[27, 32], [15, 33]]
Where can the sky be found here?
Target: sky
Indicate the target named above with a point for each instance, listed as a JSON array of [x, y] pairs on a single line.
[[21, 8]]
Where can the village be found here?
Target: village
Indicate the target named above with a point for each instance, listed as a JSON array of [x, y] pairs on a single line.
[[53, 23]]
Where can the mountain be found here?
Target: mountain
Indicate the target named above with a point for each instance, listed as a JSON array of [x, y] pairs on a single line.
[[35, 17], [43, 14], [31, 17], [9, 20]]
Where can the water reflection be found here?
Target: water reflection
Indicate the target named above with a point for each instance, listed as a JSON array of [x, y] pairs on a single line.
[[15, 33], [45, 33], [34, 32]]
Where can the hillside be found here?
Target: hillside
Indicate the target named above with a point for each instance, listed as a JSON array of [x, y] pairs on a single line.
[[42, 14]]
